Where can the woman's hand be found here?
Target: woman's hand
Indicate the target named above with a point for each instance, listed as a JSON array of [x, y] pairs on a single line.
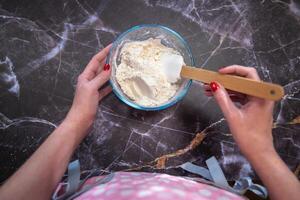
[[250, 123], [39, 176], [88, 93], [251, 120]]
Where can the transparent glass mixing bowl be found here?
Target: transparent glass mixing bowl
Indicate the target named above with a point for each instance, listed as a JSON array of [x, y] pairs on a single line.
[[168, 38]]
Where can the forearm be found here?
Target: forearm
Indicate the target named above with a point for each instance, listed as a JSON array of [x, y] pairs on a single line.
[[279, 180], [38, 177]]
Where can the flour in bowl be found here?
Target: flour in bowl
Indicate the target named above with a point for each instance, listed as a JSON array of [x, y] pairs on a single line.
[[140, 73]]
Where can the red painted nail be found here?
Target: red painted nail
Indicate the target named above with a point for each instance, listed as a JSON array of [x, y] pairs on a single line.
[[106, 67], [214, 86]]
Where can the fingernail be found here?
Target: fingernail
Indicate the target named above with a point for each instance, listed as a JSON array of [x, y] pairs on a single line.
[[221, 67], [106, 67], [214, 86]]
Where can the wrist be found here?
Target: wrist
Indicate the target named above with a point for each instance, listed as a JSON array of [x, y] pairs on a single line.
[[258, 143], [76, 125], [262, 154], [78, 120]]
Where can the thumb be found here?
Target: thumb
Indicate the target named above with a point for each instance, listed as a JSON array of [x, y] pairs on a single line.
[[222, 98]]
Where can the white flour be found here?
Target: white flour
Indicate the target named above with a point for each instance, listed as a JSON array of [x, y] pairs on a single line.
[[140, 75]]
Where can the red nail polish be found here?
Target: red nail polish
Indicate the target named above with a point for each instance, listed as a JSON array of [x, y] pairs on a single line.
[[214, 86], [106, 67]]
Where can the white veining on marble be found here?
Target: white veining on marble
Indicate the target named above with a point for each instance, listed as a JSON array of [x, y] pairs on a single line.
[[8, 77], [291, 90], [145, 123], [6, 122], [230, 158], [214, 51], [196, 12], [52, 53], [295, 8]]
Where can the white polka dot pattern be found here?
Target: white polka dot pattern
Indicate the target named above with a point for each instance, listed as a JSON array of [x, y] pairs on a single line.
[[148, 186]]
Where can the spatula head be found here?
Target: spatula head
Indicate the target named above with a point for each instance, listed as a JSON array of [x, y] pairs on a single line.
[[171, 66]]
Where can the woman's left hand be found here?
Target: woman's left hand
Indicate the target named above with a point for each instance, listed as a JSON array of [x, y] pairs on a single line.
[[88, 95], [39, 176]]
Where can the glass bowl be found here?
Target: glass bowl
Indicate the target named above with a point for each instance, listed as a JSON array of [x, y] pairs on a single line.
[[168, 38]]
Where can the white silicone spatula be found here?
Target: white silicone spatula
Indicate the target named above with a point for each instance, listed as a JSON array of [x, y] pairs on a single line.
[[174, 68]]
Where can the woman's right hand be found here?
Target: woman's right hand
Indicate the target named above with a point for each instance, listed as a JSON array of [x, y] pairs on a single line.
[[251, 121]]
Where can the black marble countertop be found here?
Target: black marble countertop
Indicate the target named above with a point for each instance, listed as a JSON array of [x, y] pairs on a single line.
[[44, 45]]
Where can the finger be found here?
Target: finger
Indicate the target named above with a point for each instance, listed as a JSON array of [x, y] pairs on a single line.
[[93, 66], [206, 87], [270, 105], [105, 91], [248, 72], [101, 66], [101, 78], [238, 99], [103, 53], [209, 94], [227, 106], [237, 94], [231, 93]]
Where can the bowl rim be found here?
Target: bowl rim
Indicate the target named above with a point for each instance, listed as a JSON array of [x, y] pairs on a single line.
[[185, 89]]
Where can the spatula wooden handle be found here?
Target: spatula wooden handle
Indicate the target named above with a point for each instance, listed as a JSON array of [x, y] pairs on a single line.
[[236, 83]]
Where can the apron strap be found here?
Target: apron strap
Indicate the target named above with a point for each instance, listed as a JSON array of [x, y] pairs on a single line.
[[73, 181], [195, 169], [73, 177], [215, 174]]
